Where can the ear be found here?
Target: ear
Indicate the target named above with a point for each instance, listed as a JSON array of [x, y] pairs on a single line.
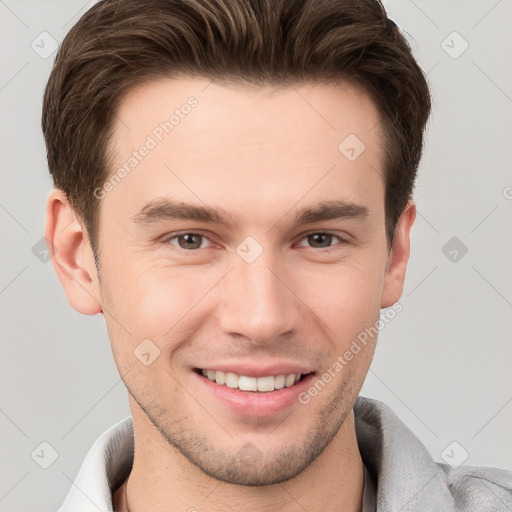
[[72, 255], [398, 258]]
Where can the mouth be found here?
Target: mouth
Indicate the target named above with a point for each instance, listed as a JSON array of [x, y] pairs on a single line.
[[262, 392], [262, 384]]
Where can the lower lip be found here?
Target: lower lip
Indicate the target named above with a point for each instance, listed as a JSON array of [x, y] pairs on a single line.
[[256, 403]]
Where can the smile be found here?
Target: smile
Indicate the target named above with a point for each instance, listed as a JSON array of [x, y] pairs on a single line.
[[246, 383]]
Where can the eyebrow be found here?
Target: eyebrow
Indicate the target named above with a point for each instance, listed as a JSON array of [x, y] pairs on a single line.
[[168, 209]]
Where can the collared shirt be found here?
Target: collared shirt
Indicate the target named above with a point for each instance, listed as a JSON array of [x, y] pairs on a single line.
[[400, 474]]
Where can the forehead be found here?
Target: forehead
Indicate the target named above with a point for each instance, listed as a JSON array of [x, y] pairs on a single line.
[[310, 108], [231, 146]]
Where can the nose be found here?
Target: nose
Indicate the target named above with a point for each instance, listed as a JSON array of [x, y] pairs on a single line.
[[257, 301]]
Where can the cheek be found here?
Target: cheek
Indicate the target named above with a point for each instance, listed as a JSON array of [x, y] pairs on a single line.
[[151, 300], [155, 304], [346, 298], [165, 298]]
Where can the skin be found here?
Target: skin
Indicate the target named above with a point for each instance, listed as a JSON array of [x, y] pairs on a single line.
[[261, 155]]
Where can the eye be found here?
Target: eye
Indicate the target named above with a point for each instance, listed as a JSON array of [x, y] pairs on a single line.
[[320, 240], [188, 241]]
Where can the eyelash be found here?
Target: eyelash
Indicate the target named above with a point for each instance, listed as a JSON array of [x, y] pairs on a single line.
[[328, 250]]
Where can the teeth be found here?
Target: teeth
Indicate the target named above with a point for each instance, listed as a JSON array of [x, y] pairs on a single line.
[[279, 381], [231, 380], [220, 377], [245, 383], [265, 383], [290, 379]]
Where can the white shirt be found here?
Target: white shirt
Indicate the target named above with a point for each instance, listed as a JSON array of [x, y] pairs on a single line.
[[400, 474]]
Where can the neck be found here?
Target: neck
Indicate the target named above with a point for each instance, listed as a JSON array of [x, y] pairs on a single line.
[[163, 479]]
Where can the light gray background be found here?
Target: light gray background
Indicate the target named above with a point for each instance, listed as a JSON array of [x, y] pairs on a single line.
[[443, 365]]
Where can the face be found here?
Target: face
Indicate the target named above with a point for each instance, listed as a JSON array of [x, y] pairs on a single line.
[[245, 242]]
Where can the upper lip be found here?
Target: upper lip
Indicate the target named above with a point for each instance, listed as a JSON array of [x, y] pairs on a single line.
[[258, 370]]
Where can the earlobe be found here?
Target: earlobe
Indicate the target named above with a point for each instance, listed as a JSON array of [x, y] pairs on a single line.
[[72, 256], [398, 258]]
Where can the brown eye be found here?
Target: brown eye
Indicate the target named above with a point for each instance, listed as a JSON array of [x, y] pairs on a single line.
[[320, 240], [188, 241]]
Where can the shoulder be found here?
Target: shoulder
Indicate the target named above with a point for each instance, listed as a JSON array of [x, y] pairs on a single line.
[[409, 479], [479, 487]]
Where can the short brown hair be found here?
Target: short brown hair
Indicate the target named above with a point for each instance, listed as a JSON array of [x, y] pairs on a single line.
[[118, 44]]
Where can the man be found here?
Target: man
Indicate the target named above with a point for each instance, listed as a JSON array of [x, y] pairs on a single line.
[[233, 191]]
